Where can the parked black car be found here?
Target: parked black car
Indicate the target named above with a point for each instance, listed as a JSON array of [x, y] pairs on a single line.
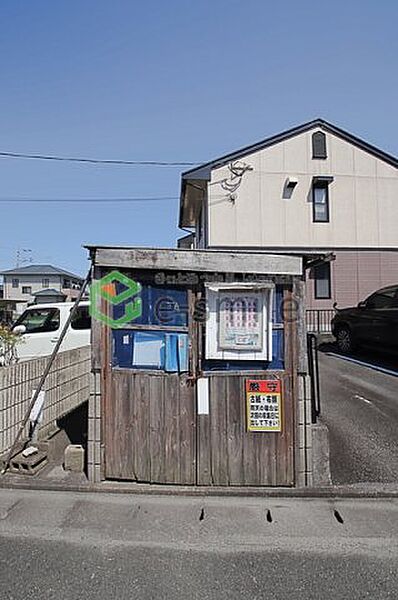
[[374, 322]]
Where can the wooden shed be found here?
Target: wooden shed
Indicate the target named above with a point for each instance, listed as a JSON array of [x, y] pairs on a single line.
[[199, 368]]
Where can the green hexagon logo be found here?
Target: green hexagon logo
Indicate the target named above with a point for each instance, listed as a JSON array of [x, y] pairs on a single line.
[[105, 289]]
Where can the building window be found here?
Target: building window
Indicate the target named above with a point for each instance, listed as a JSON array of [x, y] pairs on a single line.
[[15, 283], [45, 283], [26, 289], [320, 202], [319, 145], [66, 283], [158, 338], [323, 288]]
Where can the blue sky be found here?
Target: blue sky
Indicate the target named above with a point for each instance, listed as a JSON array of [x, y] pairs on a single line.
[[174, 81]]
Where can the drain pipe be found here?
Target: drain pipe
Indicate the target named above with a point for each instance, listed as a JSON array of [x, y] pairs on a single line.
[[46, 372]]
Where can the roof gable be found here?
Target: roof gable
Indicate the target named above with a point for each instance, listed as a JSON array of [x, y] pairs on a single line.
[[203, 171], [40, 270]]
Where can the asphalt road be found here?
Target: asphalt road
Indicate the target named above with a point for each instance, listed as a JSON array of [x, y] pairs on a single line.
[[360, 407], [67, 546]]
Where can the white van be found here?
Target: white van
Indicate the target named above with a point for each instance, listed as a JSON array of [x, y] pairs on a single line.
[[40, 326]]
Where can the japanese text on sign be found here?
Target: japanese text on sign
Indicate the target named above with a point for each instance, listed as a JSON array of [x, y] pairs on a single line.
[[264, 405]]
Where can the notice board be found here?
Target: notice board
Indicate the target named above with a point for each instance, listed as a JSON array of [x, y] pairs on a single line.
[[264, 404]]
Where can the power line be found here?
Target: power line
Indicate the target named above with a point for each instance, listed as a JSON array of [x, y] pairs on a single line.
[[98, 161], [89, 200]]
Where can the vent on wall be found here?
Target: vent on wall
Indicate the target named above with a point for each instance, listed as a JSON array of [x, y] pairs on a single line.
[[289, 187], [319, 145]]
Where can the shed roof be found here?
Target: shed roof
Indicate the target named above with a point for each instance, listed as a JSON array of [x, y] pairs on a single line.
[[181, 259]]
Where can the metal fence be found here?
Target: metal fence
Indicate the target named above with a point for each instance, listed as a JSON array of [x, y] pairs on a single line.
[[67, 386], [319, 321]]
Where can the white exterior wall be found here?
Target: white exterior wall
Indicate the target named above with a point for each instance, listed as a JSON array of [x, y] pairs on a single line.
[[34, 281], [363, 199]]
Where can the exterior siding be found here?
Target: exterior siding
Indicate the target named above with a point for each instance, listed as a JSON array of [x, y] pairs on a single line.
[[34, 281], [363, 199], [354, 276]]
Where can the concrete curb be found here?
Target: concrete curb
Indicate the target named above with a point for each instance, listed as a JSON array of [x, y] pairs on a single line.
[[331, 492]]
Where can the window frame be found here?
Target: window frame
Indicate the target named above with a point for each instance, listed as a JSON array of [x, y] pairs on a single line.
[[13, 284], [43, 285], [165, 316], [317, 279], [27, 287], [320, 185]]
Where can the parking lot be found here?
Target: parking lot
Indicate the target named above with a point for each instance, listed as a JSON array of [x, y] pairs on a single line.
[[359, 396]]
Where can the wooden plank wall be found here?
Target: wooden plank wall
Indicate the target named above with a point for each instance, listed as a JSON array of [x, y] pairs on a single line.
[[150, 431], [153, 434], [230, 455]]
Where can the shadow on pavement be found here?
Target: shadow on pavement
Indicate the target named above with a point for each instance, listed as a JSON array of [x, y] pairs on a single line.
[[375, 358]]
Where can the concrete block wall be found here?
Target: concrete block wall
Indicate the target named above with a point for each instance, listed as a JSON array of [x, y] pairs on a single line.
[[66, 388], [304, 461], [94, 450]]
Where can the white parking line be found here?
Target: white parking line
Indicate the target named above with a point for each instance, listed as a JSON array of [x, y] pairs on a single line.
[[358, 397]]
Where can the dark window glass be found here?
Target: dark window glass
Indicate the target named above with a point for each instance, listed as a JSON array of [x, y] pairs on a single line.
[[45, 283], [40, 320], [81, 319], [319, 145], [320, 202], [66, 283], [382, 299], [15, 283], [26, 289], [322, 281]]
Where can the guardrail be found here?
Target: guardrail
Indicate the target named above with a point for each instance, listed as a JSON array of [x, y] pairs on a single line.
[[319, 320], [66, 387]]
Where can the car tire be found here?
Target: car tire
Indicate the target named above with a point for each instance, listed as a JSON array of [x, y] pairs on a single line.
[[345, 342]]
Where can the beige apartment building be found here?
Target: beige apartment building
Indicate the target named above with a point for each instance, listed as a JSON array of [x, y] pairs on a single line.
[[315, 190]]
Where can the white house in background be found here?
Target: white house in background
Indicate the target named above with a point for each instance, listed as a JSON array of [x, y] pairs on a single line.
[[22, 284]]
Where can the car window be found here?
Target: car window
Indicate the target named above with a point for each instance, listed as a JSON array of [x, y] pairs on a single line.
[[382, 299], [81, 319], [40, 320]]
